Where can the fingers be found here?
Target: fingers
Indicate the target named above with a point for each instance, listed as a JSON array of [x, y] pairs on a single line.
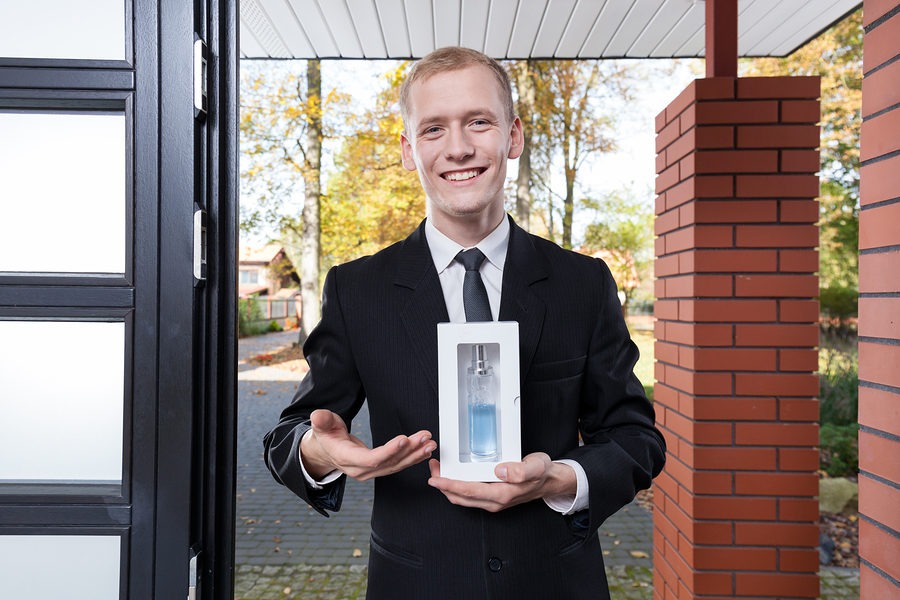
[[520, 482], [360, 462]]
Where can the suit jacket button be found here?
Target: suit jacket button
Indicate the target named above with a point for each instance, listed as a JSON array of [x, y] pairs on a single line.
[[495, 564]]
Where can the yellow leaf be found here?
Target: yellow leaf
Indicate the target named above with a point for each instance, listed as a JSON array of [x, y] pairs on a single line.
[[638, 554], [357, 553]]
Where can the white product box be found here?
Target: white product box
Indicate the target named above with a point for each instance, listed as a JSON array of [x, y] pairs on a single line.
[[478, 398]]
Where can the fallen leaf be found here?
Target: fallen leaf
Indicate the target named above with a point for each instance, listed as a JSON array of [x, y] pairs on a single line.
[[638, 554], [286, 591], [357, 552]]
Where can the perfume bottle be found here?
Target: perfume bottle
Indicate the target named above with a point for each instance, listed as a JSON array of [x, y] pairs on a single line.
[[482, 407]]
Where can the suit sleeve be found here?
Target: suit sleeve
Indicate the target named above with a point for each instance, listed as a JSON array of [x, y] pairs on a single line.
[[622, 450], [332, 383]]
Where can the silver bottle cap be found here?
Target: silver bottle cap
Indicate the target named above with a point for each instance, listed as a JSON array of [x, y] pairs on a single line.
[[479, 360]]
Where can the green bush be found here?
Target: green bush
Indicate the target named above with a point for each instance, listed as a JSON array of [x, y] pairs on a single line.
[[250, 318], [838, 386], [839, 449], [274, 326], [838, 402], [839, 302]]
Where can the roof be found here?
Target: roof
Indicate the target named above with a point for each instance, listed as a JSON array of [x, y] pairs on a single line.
[[264, 255], [251, 289], [519, 29]]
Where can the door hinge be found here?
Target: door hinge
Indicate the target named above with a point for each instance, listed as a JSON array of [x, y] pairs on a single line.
[[199, 246], [201, 77]]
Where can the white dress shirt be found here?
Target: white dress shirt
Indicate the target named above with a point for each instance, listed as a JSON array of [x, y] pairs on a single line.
[[451, 274]]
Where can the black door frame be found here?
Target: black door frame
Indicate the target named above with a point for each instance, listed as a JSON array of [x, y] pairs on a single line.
[[206, 328], [179, 427]]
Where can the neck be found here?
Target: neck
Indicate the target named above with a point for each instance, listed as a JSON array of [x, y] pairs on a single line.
[[468, 230]]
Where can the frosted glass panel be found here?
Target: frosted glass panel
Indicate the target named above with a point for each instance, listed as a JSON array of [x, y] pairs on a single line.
[[70, 567], [92, 29], [61, 403], [62, 192]]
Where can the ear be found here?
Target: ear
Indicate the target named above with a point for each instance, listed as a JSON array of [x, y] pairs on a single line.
[[406, 153], [516, 139]]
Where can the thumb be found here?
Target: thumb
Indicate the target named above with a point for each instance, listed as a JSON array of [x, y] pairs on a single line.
[[325, 421], [434, 466]]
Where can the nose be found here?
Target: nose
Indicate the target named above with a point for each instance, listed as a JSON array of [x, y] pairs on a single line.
[[459, 146]]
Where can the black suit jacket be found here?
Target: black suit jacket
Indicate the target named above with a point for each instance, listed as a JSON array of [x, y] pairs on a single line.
[[377, 340]]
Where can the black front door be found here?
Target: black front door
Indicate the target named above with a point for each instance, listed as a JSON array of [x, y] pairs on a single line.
[[117, 246]]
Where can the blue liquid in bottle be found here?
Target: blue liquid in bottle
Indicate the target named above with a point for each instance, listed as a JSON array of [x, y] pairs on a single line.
[[482, 407], [483, 431]]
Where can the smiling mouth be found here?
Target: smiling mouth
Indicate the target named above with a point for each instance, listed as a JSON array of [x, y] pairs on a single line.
[[463, 175]]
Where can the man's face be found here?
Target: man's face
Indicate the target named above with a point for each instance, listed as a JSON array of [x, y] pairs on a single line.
[[459, 138]]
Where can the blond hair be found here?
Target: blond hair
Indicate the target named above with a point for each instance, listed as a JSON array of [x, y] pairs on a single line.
[[455, 58]]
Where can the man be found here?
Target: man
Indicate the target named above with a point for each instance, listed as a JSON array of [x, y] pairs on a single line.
[[532, 534]]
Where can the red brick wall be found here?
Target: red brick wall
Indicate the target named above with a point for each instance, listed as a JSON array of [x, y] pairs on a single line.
[[879, 304], [736, 510]]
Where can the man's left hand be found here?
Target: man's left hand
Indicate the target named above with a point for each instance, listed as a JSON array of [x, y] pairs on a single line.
[[535, 477]]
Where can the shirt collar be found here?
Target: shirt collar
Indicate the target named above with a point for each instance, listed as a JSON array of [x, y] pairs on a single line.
[[444, 250]]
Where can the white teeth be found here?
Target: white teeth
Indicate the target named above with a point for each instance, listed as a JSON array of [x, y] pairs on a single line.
[[461, 176]]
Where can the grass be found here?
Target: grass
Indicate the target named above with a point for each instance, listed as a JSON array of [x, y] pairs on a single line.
[[642, 335]]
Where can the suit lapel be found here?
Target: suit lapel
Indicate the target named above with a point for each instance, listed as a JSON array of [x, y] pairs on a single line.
[[524, 267], [422, 305], [421, 301]]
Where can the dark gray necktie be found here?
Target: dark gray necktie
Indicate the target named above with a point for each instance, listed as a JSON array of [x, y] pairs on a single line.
[[475, 298]]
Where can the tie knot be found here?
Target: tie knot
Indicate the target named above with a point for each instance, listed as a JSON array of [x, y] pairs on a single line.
[[471, 259]]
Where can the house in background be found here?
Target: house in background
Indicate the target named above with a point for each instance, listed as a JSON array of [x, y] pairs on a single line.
[[264, 271], [267, 277]]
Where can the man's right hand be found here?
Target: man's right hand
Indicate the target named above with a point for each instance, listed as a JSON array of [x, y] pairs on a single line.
[[330, 446]]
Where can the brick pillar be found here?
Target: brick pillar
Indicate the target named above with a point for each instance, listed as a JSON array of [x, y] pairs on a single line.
[[879, 305], [735, 512]]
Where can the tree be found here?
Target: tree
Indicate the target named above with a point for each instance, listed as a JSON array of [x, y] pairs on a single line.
[[523, 75], [312, 175], [623, 237], [282, 129], [372, 200], [836, 56], [570, 125]]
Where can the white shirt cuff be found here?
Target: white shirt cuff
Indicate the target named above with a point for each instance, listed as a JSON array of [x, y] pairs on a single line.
[[316, 485], [568, 504]]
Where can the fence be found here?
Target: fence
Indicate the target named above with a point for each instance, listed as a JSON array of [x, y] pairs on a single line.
[[263, 310]]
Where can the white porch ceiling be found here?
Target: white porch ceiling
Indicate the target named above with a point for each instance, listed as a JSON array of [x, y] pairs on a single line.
[[517, 29]]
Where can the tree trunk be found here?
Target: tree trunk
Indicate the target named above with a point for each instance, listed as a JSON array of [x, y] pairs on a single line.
[[568, 209], [310, 296], [526, 108]]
